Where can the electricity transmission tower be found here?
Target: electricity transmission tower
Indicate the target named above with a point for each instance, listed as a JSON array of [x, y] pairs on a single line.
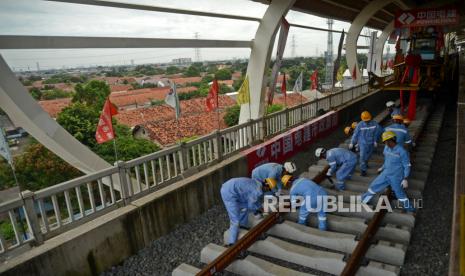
[[329, 56], [197, 50]]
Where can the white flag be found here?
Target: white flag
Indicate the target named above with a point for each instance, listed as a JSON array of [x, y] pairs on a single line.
[[4, 149], [298, 84], [173, 100]]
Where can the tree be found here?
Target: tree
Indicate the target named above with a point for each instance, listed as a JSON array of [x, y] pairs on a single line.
[[171, 70], [274, 108], [93, 93], [80, 120], [37, 168], [231, 118], [128, 148], [54, 94], [35, 93], [223, 74], [192, 71]]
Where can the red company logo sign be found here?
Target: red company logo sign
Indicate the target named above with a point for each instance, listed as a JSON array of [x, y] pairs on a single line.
[[426, 17]]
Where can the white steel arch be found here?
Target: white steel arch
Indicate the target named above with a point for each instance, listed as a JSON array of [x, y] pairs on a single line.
[[259, 60]]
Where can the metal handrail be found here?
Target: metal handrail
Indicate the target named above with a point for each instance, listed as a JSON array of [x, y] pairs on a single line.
[[145, 174]]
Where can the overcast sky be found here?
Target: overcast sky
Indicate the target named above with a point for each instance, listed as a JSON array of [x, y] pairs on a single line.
[[38, 17]]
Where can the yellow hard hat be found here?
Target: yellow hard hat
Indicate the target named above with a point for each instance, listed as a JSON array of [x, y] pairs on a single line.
[[286, 179], [407, 121], [388, 135], [347, 130], [353, 125], [366, 116], [271, 182], [398, 117]]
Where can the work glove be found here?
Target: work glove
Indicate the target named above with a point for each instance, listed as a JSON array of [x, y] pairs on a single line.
[[404, 184], [322, 225], [351, 146], [243, 210], [380, 170], [328, 173], [375, 144]]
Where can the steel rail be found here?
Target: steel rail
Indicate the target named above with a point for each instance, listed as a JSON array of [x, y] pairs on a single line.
[[230, 255]]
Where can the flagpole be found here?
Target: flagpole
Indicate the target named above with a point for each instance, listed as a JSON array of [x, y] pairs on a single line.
[[115, 149]]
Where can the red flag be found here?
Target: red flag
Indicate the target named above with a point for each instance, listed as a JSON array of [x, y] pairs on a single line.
[[284, 88], [105, 131], [314, 79], [354, 72], [212, 97]]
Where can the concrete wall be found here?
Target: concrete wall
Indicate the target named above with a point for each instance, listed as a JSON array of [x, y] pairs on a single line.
[[95, 246]]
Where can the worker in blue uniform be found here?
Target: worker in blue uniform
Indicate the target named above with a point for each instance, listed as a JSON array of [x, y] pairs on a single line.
[[398, 127], [366, 135], [275, 171], [341, 161], [314, 200], [392, 109], [242, 196], [394, 172]]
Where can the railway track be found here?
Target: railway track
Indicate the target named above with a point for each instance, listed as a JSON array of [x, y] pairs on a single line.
[[356, 243]]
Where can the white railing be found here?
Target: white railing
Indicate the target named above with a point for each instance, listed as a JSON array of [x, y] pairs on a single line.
[[41, 215]]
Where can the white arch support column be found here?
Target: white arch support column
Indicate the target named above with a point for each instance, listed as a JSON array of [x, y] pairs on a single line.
[[379, 46], [354, 31], [24, 111], [260, 55]]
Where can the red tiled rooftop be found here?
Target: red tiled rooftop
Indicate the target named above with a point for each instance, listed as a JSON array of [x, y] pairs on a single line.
[[183, 81], [120, 87], [292, 99], [169, 132], [53, 107], [164, 112], [144, 95]]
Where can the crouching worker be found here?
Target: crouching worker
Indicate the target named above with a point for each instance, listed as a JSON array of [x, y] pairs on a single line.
[[340, 161], [314, 200], [275, 171], [242, 196], [394, 172]]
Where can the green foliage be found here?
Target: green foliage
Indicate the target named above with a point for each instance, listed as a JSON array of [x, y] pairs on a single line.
[[231, 118], [37, 168], [201, 92], [81, 121], [128, 148], [135, 85], [237, 83], [35, 93], [274, 108], [171, 70], [54, 94], [7, 231], [223, 74], [6, 175], [156, 102], [148, 70], [208, 78], [192, 71], [225, 89], [93, 93], [59, 78]]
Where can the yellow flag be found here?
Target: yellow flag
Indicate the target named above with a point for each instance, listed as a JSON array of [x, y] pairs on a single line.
[[243, 95]]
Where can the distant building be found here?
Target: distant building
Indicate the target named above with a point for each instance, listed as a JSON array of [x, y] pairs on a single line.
[[181, 61]]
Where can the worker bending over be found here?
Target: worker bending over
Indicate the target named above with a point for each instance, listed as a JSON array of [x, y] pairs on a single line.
[[401, 131], [314, 197], [242, 196], [275, 171], [340, 161], [366, 135], [392, 109], [394, 172]]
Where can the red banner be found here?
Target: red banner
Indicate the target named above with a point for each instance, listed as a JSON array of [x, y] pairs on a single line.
[[426, 17], [284, 146], [212, 97], [105, 131]]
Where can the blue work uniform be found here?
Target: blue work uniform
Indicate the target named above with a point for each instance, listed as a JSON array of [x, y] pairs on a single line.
[[396, 167], [269, 170], [343, 162], [395, 111], [240, 196], [316, 196], [402, 134], [365, 135]]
